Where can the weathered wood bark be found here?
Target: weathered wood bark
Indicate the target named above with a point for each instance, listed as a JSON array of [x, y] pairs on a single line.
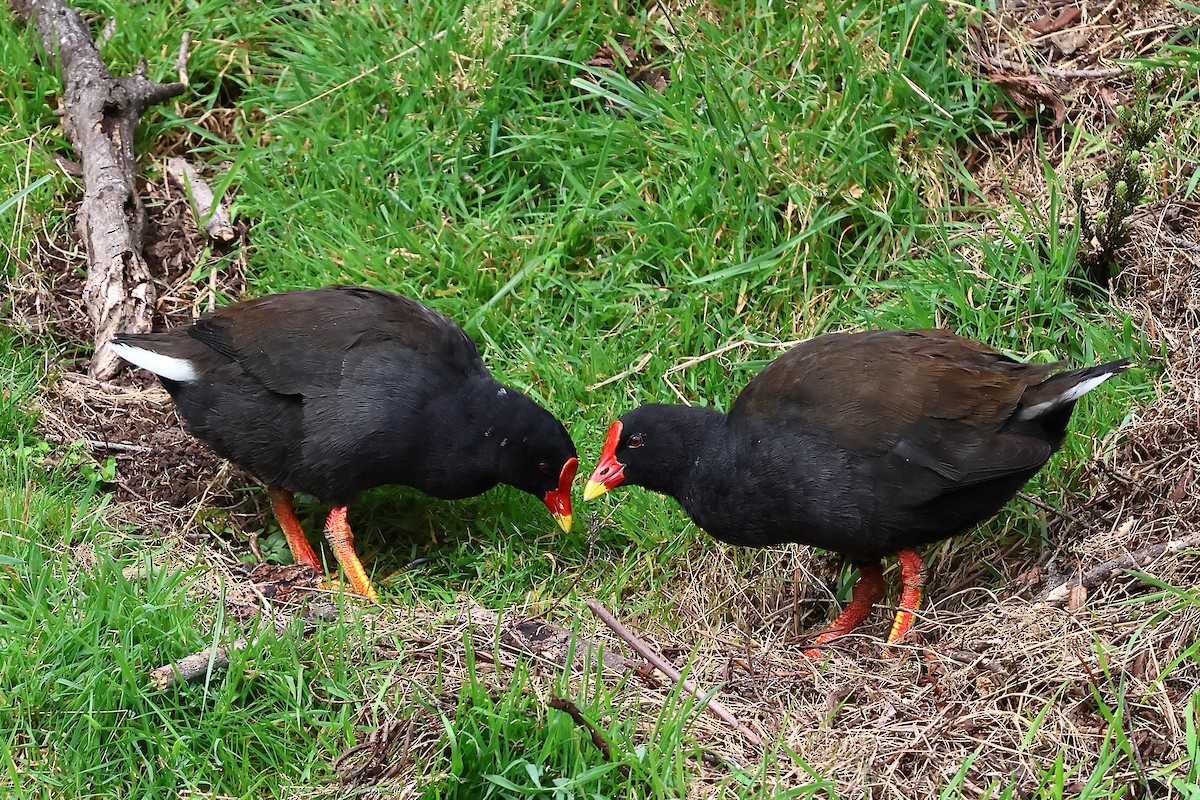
[[100, 118]]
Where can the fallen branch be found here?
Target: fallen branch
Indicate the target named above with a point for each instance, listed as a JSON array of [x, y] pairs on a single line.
[[100, 119], [212, 659], [1133, 560], [647, 652], [1051, 72], [197, 665], [209, 212]]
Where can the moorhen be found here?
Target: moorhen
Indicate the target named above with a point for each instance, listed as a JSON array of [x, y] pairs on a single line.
[[868, 444], [334, 391]]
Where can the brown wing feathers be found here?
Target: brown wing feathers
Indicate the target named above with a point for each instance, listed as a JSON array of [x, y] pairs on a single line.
[[931, 397]]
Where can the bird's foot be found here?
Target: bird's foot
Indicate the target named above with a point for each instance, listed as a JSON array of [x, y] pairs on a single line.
[[341, 539], [867, 591], [913, 580], [348, 589]]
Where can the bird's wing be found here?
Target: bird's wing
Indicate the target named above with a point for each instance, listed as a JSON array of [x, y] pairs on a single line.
[[299, 342], [931, 398]]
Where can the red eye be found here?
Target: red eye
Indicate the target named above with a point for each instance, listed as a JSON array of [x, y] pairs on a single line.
[[544, 468], [634, 441]]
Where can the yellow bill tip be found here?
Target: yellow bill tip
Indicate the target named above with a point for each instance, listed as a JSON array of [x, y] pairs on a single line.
[[593, 489], [564, 522]]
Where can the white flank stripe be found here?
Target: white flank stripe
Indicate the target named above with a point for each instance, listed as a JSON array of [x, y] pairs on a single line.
[[1074, 393], [169, 367]]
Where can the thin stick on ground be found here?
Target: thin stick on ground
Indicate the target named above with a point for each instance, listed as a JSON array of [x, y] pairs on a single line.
[[1133, 560], [566, 706], [96, 444], [1006, 65], [210, 212], [437, 37], [650, 654], [1058, 512], [210, 660]]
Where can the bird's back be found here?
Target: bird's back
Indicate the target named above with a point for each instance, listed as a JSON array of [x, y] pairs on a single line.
[[322, 391], [873, 442]]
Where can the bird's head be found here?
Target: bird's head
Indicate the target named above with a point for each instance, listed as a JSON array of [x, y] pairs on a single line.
[[650, 446], [538, 456]]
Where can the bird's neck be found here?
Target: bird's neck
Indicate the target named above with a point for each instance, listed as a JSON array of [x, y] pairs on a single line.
[[468, 443], [701, 433]]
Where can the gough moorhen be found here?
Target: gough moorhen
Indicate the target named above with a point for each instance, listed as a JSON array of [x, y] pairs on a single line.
[[868, 444], [333, 391]]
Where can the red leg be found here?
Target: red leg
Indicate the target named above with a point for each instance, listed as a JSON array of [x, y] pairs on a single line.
[[865, 594], [341, 539], [302, 552], [913, 579]]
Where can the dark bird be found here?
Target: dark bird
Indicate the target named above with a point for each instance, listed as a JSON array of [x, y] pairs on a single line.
[[334, 391], [868, 444]]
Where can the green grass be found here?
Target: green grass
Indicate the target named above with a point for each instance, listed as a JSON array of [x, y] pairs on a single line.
[[789, 180], [78, 637]]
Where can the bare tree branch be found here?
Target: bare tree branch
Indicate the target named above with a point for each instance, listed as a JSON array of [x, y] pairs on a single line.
[[100, 118]]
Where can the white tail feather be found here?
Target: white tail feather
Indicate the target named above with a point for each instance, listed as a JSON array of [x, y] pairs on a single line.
[[1070, 395], [169, 367]]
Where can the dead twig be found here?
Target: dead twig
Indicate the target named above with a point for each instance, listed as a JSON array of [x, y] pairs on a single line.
[[437, 37], [1017, 5], [181, 60], [649, 653], [544, 640], [971, 658], [636, 368], [96, 444], [1058, 512], [197, 665], [210, 213], [92, 385], [1006, 65], [212, 659], [1061, 593], [568, 707], [100, 118], [376, 751]]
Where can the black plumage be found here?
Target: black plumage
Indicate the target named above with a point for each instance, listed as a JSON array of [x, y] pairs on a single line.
[[868, 444], [334, 391]]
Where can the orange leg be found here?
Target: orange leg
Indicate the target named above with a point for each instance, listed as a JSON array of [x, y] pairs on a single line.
[[341, 539], [302, 552], [912, 577], [865, 594]]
